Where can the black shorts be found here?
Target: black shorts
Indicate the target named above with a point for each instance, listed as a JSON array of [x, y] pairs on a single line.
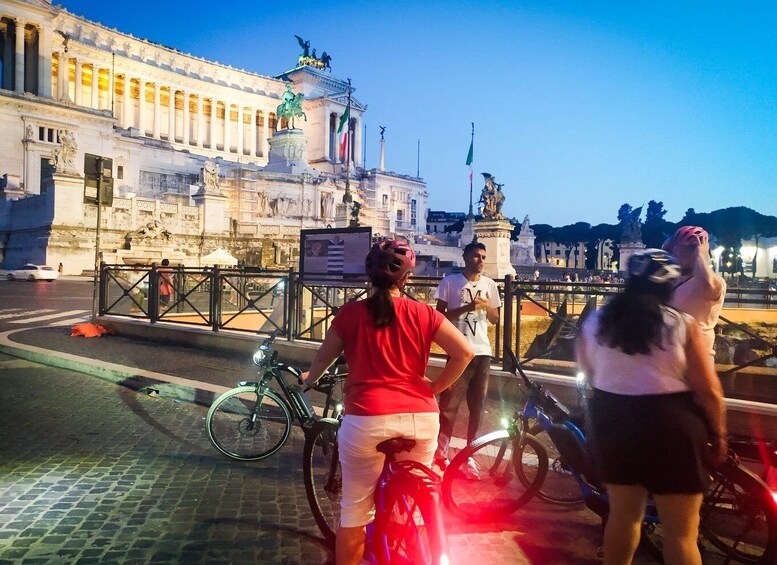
[[657, 441]]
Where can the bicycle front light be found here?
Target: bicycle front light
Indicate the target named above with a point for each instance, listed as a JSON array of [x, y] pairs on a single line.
[[580, 377], [505, 422], [259, 356]]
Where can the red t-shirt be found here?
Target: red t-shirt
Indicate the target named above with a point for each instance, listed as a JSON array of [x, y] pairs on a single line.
[[387, 365]]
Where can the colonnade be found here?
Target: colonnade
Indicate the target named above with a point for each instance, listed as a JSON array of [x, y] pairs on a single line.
[[26, 57], [162, 111]]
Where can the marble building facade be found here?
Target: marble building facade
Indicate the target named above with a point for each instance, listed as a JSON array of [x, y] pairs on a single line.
[[160, 114]]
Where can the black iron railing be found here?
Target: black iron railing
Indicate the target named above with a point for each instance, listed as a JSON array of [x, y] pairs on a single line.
[[538, 318]]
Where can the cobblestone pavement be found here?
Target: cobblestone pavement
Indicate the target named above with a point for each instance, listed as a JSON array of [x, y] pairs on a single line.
[[92, 472]]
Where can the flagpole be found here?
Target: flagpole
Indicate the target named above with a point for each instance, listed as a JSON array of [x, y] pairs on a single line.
[[418, 162], [347, 198], [471, 216]]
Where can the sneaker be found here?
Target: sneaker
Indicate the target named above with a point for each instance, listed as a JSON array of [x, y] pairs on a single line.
[[471, 470]]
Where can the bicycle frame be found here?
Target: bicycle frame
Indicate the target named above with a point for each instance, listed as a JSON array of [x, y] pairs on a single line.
[[292, 395], [570, 441], [404, 477]]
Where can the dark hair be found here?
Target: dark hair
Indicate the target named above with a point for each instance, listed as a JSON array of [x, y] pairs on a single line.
[[165, 262], [381, 307], [633, 320], [470, 247]]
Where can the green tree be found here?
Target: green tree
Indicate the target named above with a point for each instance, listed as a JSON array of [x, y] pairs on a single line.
[[624, 212], [594, 245], [655, 229]]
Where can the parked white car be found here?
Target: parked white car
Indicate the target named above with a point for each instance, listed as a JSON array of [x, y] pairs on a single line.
[[33, 273]]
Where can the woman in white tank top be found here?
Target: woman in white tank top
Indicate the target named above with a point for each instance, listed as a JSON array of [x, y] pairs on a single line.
[[657, 403]]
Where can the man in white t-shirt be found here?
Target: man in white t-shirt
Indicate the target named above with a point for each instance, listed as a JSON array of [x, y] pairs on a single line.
[[471, 301]]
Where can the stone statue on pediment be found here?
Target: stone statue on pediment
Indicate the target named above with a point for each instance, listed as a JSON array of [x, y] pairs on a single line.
[[290, 107], [210, 177], [151, 233], [305, 46], [525, 228], [492, 198], [327, 205], [65, 154], [632, 227], [325, 58]]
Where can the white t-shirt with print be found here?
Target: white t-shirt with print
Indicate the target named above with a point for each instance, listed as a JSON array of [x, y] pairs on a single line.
[[457, 291]]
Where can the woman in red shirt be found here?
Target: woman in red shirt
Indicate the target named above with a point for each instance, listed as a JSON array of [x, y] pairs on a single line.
[[386, 340]]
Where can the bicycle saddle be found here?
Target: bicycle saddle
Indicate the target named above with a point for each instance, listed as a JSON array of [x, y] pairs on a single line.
[[395, 445]]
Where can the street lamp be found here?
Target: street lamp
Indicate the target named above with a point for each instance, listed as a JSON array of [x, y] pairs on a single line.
[[716, 254], [748, 253]]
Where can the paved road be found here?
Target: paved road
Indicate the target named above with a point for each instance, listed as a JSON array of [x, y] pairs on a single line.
[[94, 472], [63, 302]]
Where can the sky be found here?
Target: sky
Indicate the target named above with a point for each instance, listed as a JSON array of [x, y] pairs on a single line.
[[579, 106]]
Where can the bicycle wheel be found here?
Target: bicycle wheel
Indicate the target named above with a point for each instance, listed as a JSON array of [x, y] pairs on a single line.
[[560, 485], [245, 425], [323, 477], [738, 520], [409, 528], [481, 484]]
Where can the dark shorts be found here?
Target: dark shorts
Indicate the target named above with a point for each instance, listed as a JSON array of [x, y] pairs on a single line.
[[657, 441]]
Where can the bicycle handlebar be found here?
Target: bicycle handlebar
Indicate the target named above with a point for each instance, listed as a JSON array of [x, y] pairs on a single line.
[[544, 399]]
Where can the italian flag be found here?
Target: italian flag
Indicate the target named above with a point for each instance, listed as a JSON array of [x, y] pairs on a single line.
[[342, 131], [469, 158]]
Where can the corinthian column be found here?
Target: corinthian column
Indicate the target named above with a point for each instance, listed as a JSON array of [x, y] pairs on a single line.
[[19, 66], [125, 103], [186, 124], [252, 133], [227, 126], [212, 123], [142, 109], [200, 124], [79, 86], [171, 117], [44, 62], [157, 112], [240, 136], [95, 87]]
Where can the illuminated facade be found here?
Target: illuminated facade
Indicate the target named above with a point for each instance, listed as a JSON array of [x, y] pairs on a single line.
[[160, 114]]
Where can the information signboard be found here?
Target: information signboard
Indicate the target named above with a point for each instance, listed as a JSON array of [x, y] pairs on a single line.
[[334, 253]]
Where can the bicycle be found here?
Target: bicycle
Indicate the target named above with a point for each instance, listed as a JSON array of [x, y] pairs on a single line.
[[481, 482], [408, 527], [738, 514], [252, 421]]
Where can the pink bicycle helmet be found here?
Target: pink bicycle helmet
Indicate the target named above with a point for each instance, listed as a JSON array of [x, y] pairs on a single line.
[[653, 265], [388, 261], [687, 235]]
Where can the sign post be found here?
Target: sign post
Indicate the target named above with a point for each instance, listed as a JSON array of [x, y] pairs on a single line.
[[98, 189]]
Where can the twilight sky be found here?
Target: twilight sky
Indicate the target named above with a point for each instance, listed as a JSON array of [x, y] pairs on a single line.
[[579, 106]]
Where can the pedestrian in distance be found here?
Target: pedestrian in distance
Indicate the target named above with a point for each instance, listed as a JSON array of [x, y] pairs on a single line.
[[471, 301], [386, 340], [699, 291], [165, 283], [657, 415]]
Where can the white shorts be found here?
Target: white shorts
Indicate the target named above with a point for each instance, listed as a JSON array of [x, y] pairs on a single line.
[[362, 463]]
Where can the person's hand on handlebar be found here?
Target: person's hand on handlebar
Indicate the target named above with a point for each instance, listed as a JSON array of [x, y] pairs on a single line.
[[718, 450], [303, 380]]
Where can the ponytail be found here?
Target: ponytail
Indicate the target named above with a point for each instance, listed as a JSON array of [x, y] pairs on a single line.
[[381, 307]]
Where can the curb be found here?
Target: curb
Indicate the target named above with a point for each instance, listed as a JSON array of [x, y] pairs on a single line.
[[167, 386]]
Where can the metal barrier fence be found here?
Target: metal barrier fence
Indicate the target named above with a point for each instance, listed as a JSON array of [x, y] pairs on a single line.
[[538, 318]]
